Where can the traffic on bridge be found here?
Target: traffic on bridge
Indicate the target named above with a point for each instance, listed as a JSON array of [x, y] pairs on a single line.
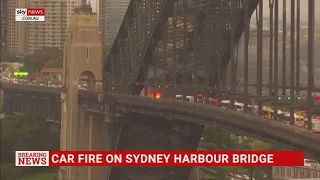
[[173, 69]]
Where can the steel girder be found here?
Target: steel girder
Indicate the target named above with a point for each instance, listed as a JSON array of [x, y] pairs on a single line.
[[236, 14], [155, 134], [178, 38], [48, 108], [183, 40], [122, 65]]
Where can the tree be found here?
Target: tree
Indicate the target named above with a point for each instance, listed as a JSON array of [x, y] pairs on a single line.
[[50, 53], [40, 57], [257, 145], [10, 57], [26, 69], [3, 57], [10, 172], [219, 139], [24, 133], [55, 63], [4, 66]]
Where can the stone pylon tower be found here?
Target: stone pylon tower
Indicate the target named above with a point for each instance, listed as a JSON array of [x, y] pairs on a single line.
[[83, 53]]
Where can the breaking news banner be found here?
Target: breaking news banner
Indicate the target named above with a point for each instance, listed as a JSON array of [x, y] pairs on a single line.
[[30, 14], [159, 158]]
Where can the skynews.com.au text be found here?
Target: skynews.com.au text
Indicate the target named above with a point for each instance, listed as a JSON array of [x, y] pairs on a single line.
[[30, 14], [157, 158]]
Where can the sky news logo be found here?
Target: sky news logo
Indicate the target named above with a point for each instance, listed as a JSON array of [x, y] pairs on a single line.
[[30, 14]]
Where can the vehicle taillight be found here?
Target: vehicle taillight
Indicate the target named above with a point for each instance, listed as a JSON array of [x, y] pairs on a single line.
[[199, 96]]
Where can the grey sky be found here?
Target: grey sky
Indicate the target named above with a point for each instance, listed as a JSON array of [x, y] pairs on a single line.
[[94, 4], [303, 7]]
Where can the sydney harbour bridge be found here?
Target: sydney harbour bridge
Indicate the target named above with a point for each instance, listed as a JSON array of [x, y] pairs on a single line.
[[175, 47]]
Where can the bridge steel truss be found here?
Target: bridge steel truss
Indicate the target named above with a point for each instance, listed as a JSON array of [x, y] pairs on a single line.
[[177, 38], [28, 102]]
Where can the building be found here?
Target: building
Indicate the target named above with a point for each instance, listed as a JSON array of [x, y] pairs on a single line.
[[52, 73], [52, 32], [3, 25], [17, 32], [101, 18], [27, 37], [290, 173], [111, 13]]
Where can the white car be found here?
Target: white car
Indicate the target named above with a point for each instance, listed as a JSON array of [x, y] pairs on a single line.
[[238, 176], [316, 127], [246, 177]]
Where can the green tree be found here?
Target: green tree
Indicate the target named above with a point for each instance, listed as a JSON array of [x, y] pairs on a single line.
[[24, 133], [26, 69], [257, 145], [10, 172], [219, 139], [3, 57], [56, 63], [40, 57], [9, 57]]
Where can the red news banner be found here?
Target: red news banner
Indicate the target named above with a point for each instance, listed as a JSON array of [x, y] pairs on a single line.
[[160, 158]]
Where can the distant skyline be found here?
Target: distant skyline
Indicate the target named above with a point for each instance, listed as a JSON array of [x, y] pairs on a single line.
[[303, 7]]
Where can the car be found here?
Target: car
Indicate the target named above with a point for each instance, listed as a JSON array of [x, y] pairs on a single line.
[[246, 177]]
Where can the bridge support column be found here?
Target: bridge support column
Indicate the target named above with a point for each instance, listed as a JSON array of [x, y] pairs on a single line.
[[82, 57], [1, 101], [69, 131], [96, 143], [194, 174], [83, 141]]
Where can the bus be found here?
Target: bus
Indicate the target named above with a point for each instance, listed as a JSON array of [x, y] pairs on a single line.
[[267, 112]]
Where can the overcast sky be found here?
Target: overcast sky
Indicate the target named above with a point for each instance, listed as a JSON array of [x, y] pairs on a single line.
[[303, 5]]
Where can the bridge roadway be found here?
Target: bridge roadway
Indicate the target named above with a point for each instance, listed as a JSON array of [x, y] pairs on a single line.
[[236, 122], [23, 87], [240, 85]]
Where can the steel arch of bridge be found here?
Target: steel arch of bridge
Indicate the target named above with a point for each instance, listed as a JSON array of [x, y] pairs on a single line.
[[180, 37]]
